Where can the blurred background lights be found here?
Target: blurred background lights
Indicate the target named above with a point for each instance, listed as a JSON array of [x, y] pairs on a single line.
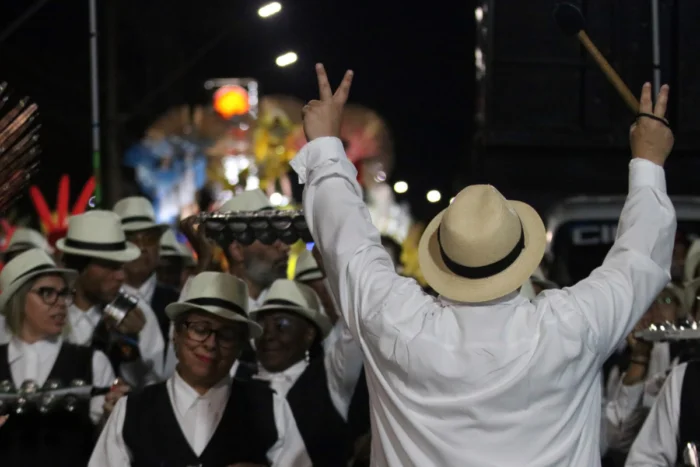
[[452, 199], [479, 13], [277, 199], [270, 9], [231, 101], [433, 196], [400, 187], [286, 59]]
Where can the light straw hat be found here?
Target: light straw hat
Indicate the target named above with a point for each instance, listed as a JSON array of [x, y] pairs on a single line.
[[170, 247], [136, 213], [481, 247], [295, 297], [25, 267], [24, 238], [98, 234], [306, 268], [692, 260], [251, 200], [218, 293]]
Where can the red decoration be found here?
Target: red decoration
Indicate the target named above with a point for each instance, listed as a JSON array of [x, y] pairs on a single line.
[[231, 101], [56, 226]]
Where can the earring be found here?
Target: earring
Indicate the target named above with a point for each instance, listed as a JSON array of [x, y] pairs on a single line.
[[306, 356]]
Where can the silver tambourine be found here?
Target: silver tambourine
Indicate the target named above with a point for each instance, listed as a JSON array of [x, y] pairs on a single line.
[[245, 227], [121, 306], [682, 330]]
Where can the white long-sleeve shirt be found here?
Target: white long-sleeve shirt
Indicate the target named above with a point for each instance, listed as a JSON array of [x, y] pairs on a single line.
[[657, 442], [504, 383], [35, 361], [197, 415]]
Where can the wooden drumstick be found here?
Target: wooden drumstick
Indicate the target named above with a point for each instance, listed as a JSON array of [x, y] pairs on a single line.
[[571, 22]]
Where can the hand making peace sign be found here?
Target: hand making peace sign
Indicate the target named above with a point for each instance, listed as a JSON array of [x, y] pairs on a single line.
[[323, 117], [651, 137]]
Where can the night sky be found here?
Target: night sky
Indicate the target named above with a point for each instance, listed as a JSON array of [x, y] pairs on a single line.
[[413, 65]]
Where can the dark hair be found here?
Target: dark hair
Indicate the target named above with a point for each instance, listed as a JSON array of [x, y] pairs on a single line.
[[76, 262]]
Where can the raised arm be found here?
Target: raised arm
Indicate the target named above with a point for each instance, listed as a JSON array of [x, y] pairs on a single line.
[[360, 272], [616, 295]]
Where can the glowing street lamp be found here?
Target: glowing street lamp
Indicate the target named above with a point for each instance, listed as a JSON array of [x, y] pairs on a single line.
[[434, 196], [270, 9], [286, 59], [400, 187]]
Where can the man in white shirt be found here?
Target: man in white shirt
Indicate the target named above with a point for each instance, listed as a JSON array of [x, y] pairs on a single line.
[[481, 376]]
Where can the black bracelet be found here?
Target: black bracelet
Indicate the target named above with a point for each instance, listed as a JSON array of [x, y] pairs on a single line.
[[640, 362], [653, 117]]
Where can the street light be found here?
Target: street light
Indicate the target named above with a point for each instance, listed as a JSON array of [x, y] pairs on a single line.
[[286, 59], [270, 9], [434, 196], [400, 187]]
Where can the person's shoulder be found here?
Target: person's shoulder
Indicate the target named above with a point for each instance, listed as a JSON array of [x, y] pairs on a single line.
[[168, 293]]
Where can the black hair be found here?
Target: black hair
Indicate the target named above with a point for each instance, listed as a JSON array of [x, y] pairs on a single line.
[[76, 262]]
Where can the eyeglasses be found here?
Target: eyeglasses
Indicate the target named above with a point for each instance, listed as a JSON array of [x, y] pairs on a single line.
[[200, 331], [50, 295]]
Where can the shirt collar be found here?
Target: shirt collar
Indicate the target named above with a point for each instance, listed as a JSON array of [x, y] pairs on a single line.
[[291, 374], [148, 288], [185, 397], [75, 314], [515, 295], [45, 348]]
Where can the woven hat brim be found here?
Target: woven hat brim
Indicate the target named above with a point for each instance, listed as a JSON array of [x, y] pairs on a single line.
[[320, 320], [123, 256], [461, 289], [6, 294], [176, 309]]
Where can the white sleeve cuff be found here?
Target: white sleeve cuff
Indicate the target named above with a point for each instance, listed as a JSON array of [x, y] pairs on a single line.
[[645, 173]]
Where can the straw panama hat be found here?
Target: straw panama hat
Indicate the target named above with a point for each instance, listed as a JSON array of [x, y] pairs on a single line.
[[287, 295], [136, 213], [481, 247], [692, 260], [219, 294], [25, 267], [251, 200], [306, 268], [98, 234], [24, 238], [171, 248]]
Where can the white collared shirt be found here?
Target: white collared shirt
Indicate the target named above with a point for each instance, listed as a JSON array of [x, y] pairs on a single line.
[[197, 415], [82, 324], [508, 383], [343, 363], [35, 361], [148, 288], [657, 442], [4, 332]]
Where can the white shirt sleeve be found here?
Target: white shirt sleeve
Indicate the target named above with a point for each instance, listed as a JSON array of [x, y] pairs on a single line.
[[343, 362], [102, 377], [149, 368], [657, 442], [623, 416], [616, 295], [111, 450]]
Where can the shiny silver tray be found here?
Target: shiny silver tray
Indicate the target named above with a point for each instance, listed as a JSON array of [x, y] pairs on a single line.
[[245, 227], [665, 332]]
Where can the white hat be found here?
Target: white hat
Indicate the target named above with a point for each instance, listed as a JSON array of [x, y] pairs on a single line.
[[98, 234], [24, 238], [306, 268], [481, 247], [23, 268], [692, 260], [136, 213], [218, 293], [170, 247], [286, 295], [252, 200]]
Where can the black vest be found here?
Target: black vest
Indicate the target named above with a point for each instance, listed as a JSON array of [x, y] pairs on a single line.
[[325, 434], [163, 296], [60, 438], [688, 426], [154, 437]]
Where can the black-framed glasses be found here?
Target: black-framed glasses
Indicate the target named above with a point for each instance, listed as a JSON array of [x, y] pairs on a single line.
[[50, 295], [200, 331]]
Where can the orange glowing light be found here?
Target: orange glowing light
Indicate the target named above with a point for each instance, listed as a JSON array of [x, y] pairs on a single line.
[[231, 101]]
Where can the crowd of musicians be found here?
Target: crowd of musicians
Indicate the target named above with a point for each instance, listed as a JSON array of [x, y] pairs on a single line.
[[493, 366]]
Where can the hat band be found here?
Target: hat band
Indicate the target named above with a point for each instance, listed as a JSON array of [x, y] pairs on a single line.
[[282, 302], [218, 302], [168, 248], [80, 245], [132, 219], [488, 270], [41, 267], [307, 272]]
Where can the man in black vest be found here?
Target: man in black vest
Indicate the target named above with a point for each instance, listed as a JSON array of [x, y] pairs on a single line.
[[198, 416], [674, 420], [139, 224]]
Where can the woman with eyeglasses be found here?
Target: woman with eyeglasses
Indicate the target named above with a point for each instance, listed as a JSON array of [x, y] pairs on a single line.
[[199, 416], [46, 428]]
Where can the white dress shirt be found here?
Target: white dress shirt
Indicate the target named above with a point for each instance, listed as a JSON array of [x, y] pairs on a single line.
[[148, 288], [35, 361], [504, 383], [343, 363], [149, 368], [657, 442], [623, 415], [197, 415]]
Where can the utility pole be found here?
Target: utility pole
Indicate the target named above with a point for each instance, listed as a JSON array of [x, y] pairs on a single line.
[[111, 167]]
